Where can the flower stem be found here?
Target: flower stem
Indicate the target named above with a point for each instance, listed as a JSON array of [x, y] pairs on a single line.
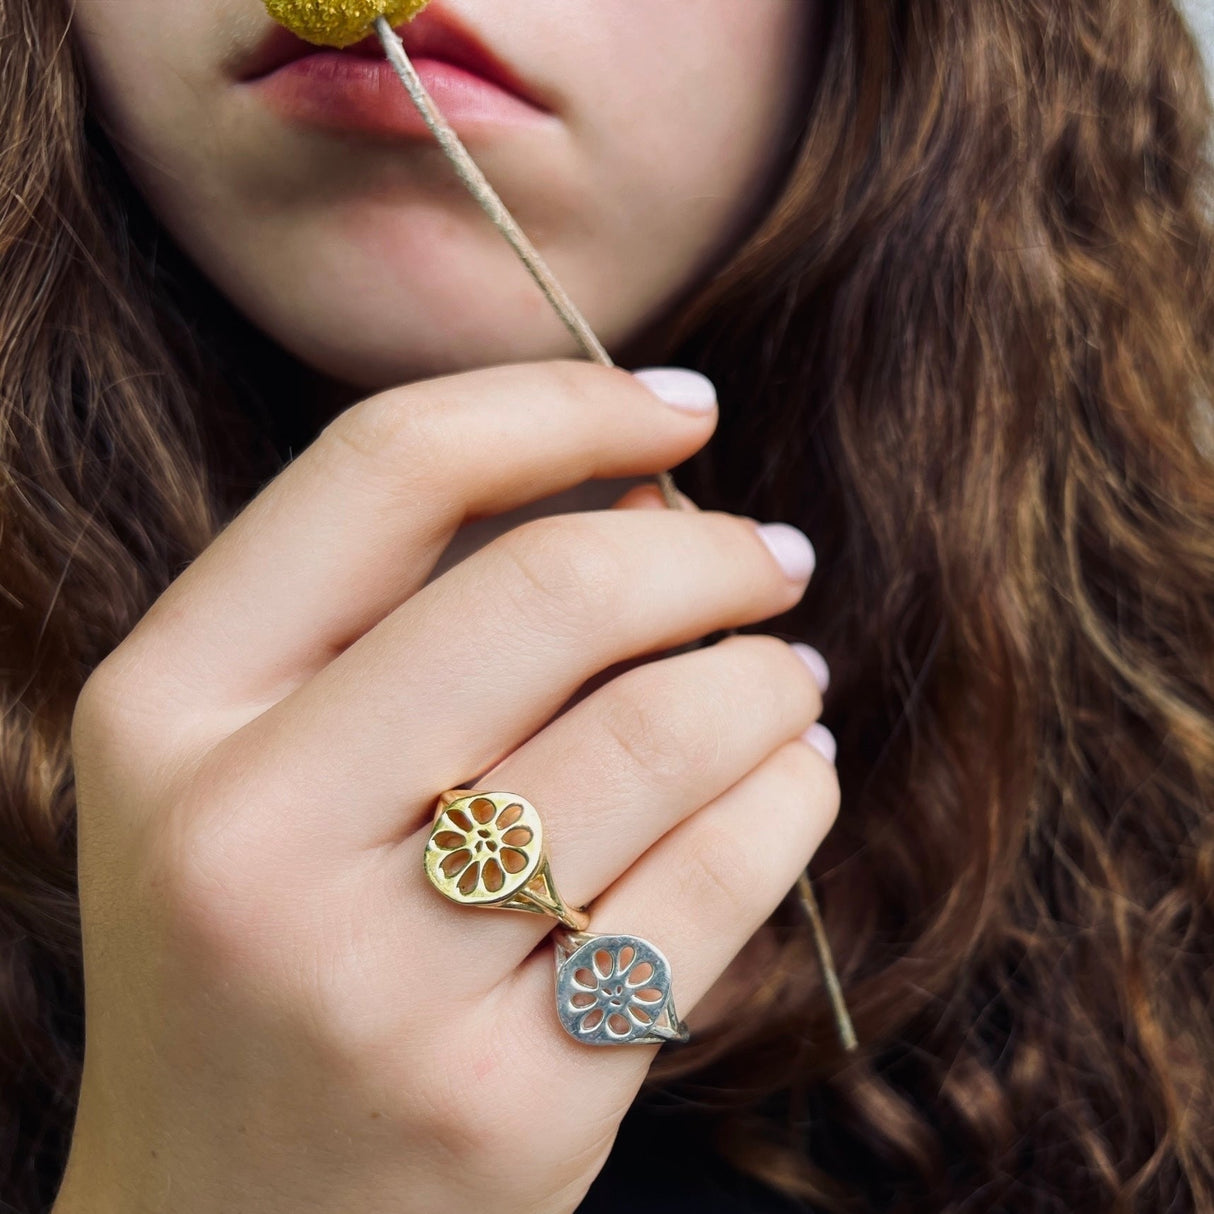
[[478, 186], [470, 174]]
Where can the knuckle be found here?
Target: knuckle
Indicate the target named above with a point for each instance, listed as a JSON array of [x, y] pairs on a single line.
[[767, 666], [661, 732], [93, 714], [126, 754], [565, 574], [113, 734], [126, 700], [104, 699], [361, 430], [205, 892], [716, 872], [574, 377], [405, 437], [811, 781]]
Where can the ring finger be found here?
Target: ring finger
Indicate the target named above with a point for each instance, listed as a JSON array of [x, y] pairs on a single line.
[[614, 774]]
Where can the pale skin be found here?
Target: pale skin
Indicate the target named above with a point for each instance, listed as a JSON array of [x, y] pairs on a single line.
[[282, 1014]]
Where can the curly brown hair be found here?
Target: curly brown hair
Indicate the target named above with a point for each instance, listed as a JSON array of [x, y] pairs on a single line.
[[969, 349]]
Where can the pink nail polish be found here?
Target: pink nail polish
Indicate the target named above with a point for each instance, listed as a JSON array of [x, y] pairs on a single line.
[[822, 740]]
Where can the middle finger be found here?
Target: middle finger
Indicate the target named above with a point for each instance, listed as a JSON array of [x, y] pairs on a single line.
[[619, 770], [473, 664]]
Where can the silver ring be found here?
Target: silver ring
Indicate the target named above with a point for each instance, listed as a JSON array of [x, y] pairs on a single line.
[[614, 990]]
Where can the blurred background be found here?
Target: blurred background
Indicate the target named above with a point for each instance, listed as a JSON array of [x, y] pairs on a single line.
[[1201, 14]]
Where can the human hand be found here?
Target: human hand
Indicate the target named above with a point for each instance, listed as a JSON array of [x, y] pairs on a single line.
[[282, 1014]]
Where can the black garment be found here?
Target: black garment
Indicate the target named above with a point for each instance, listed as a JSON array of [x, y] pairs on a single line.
[[663, 1162]]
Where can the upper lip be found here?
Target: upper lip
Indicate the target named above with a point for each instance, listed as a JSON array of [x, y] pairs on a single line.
[[433, 34]]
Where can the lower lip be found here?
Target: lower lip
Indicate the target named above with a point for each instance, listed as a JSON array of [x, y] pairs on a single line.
[[336, 91]]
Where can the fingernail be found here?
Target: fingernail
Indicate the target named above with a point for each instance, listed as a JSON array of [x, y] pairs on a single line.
[[791, 548], [822, 740], [687, 391], [816, 663]]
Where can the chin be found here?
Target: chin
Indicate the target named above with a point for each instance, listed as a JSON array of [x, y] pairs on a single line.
[[375, 366]]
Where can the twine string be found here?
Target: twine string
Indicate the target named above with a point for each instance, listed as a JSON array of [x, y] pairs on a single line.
[[486, 196]]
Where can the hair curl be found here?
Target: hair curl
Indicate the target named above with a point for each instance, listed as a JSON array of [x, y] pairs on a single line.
[[969, 350]]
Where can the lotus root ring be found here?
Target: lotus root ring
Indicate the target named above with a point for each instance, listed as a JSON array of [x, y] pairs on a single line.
[[487, 849]]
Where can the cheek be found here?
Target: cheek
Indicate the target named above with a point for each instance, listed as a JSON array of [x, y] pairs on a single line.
[[122, 47], [686, 124], [140, 79]]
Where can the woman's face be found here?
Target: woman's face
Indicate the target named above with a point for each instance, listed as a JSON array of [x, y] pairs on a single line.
[[321, 209]]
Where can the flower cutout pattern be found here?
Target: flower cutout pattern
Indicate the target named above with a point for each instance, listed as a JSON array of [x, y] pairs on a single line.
[[481, 850], [616, 993]]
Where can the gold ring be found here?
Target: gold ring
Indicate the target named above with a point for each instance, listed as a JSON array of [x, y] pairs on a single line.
[[487, 849]]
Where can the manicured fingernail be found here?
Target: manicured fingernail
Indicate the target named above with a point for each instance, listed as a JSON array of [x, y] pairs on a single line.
[[816, 663], [822, 740], [687, 391], [791, 548]]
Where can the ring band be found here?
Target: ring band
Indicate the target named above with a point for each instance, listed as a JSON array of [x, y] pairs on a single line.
[[487, 849], [614, 990]]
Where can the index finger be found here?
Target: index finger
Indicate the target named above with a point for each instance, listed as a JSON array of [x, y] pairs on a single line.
[[354, 525]]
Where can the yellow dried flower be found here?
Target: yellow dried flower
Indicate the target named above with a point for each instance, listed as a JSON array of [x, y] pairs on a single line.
[[339, 22]]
